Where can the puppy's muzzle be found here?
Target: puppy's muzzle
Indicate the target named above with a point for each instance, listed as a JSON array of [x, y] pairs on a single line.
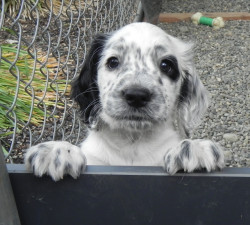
[[137, 97]]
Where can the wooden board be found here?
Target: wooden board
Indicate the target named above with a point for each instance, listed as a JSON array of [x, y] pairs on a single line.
[[177, 17]]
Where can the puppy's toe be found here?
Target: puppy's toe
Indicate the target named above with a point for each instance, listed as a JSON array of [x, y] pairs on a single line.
[[55, 159]]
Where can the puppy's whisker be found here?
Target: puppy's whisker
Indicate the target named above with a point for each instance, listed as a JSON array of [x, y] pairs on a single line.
[[94, 82], [92, 103], [96, 101], [97, 50], [87, 91], [95, 110]]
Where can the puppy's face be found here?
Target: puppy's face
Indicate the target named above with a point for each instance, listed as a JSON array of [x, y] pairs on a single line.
[[138, 77]]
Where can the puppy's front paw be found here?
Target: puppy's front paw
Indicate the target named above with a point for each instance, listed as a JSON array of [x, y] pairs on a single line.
[[192, 155], [55, 158]]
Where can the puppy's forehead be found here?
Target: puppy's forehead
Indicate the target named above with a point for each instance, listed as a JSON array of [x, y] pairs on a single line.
[[143, 35]]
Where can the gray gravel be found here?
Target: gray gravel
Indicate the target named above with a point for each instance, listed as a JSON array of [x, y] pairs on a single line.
[[180, 6], [222, 60]]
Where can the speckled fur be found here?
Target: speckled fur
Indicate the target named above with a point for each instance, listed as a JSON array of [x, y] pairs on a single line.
[[120, 134]]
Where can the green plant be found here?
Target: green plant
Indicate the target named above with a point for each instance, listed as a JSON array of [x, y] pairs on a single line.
[[10, 88], [12, 7]]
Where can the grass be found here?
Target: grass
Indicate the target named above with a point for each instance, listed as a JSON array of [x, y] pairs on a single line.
[[13, 6], [8, 88], [24, 72]]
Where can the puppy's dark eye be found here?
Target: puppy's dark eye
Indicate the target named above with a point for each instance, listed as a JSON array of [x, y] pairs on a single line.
[[169, 66], [165, 66], [112, 63]]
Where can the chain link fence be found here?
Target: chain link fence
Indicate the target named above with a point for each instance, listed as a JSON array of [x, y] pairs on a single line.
[[43, 44]]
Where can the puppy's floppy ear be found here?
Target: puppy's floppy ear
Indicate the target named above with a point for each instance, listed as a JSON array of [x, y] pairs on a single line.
[[84, 89], [193, 97]]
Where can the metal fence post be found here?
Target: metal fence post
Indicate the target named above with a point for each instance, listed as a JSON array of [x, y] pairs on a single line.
[[8, 210], [151, 9]]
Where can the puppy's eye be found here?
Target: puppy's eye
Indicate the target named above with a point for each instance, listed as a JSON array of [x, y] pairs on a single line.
[[169, 67], [112, 63], [166, 66]]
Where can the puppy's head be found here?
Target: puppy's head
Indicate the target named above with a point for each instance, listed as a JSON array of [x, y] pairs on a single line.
[[138, 77]]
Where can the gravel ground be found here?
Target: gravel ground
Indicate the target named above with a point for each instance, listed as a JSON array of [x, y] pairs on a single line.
[[222, 60]]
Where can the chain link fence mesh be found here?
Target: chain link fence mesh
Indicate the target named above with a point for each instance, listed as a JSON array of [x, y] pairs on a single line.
[[43, 44]]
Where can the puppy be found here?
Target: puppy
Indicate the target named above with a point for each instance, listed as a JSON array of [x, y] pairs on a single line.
[[141, 98]]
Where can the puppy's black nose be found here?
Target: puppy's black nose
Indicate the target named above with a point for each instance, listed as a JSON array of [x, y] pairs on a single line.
[[137, 97]]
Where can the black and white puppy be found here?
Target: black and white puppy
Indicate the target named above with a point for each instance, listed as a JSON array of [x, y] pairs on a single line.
[[141, 97]]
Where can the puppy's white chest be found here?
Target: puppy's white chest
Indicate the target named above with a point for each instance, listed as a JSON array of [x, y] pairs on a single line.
[[111, 149], [137, 156]]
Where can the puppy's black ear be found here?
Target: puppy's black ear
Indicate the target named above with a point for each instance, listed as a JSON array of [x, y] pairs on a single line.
[[193, 98], [193, 103], [84, 89]]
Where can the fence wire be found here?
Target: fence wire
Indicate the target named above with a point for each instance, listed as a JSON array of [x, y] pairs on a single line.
[[42, 48]]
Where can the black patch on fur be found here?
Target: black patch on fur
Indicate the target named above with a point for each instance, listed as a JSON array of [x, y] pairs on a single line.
[[215, 152], [67, 168], [57, 162], [186, 132], [138, 54], [178, 162], [84, 88], [160, 81], [167, 161], [185, 150], [81, 169], [32, 156], [58, 152], [188, 90], [185, 95], [184, 92]]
